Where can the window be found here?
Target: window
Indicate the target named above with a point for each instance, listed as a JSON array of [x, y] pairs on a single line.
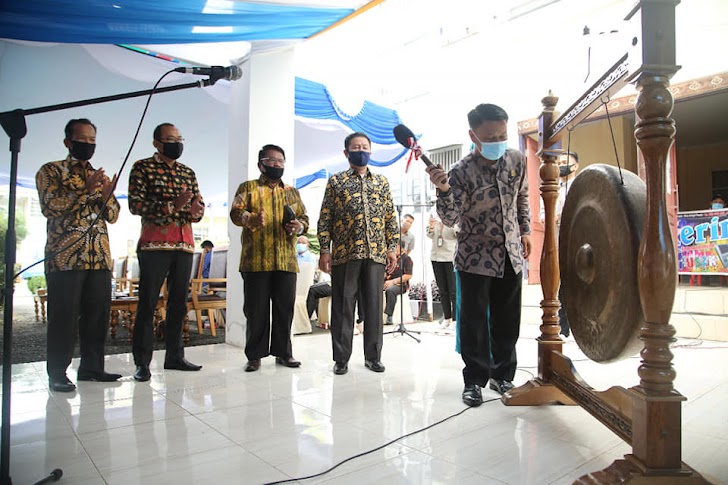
[[446, 156], [720, 183]]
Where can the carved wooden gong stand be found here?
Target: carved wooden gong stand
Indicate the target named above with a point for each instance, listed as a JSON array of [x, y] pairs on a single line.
[[648, 415]]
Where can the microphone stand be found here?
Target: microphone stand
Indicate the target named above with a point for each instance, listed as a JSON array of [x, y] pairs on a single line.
[[401, 329], [13, 122]]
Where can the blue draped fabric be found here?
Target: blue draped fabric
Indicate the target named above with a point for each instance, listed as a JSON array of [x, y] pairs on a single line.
[[386, 163], [155, 22], [314, 101], [302, 182], [26, 182]]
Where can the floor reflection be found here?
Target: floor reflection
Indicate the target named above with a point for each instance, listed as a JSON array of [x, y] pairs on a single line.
[[284, 423]]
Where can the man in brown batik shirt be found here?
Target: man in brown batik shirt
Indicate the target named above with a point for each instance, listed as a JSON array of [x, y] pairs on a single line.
[[78, 260]]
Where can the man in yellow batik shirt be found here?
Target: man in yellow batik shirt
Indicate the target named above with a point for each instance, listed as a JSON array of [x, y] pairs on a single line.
[[272, 216], [358, 234], [78, 260]]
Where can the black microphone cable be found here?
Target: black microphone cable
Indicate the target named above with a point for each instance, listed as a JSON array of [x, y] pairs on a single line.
[[364, 453], [118, 175]]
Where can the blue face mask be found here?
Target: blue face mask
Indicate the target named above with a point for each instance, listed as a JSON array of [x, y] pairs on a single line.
[[717, 205], [360, 159], [493, 150], [301, 248]]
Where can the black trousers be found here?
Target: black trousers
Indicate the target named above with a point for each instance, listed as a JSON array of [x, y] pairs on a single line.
[[154, 267], [445, 279], [563, 321], [488, 346], [315, 293], [261, 290], [391, 295], [366, 277], [78, 302]]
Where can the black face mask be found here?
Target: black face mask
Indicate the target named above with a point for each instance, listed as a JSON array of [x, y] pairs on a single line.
[[172, 150], [273, 173], [565, 170], [360, 159], [81, 150]]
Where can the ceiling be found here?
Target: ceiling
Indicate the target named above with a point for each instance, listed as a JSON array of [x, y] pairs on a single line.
[[178, 22]]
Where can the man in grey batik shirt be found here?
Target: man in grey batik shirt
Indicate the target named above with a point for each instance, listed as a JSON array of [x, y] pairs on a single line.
[[486, 193]]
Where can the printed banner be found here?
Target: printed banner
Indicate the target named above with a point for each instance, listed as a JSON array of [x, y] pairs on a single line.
[[702, 242]]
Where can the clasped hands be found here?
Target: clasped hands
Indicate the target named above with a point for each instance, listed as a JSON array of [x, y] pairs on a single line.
[[98, 179], [196, 207]]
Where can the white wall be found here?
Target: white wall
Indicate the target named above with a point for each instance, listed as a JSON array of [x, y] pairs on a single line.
[[260, 114]]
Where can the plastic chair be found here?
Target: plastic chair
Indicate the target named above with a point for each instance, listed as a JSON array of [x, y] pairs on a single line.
[[301, 323]]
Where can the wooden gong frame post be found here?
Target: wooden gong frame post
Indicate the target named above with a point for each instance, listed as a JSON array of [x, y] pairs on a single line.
[[647, 416], [541, 389]]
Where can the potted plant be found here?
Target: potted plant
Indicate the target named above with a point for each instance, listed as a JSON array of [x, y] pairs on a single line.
[[418, 299]]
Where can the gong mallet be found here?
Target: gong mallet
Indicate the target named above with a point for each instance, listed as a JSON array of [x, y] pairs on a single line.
[[406, 138]]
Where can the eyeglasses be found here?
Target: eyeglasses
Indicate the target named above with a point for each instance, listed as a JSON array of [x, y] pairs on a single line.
[[273, 161], [171, 139]]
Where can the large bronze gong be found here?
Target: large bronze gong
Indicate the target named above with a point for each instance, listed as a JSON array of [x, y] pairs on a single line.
[[599, 237]]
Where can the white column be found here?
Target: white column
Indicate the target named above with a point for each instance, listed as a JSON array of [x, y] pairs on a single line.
[[262, 108]]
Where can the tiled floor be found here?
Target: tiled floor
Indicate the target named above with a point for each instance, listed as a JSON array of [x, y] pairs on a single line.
[[222, 425]]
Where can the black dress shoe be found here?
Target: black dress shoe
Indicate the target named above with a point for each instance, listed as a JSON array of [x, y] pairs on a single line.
[[142, 373], [341, 368], [289, 362], [97, 376], [252, 365], [472, 395], [182, 364], [500, 386], [374, 365], [61, 384]]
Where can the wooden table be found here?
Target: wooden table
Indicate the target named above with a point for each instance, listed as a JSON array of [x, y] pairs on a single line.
[[123, 308]]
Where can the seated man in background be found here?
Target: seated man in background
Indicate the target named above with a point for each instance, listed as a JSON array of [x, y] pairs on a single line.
[[315, 293], [207, 248], [322, 289], [407, 238], [303, 251], [396, 281]]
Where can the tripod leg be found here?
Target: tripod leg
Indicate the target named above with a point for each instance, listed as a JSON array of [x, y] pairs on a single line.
[[412, 336]]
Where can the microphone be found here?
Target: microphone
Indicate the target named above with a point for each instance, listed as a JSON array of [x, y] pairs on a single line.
[[230, 73], [406, 138]]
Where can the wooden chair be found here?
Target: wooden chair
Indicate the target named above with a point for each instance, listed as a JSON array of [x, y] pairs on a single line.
[[40, 298], [214, 298], [128, 282], [119, 275], [134, 274]]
